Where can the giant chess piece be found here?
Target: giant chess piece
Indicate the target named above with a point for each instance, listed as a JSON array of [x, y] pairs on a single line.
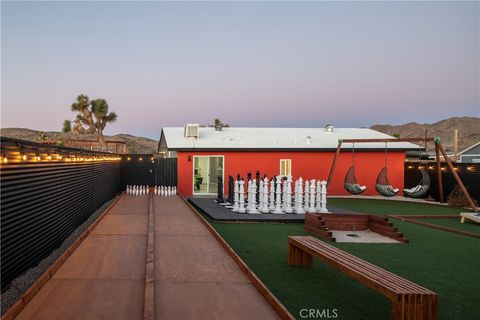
[[278, 202], [300, 196], [265, 208], [241, 195], [271, 207], [288, 200], [230, 189], [307, 196], [253, 207], [260, 198], [235, 197], [318, 197], [249, 195], [284, 194], [323, 208], [311, 208], [220, 190], [257, 194]]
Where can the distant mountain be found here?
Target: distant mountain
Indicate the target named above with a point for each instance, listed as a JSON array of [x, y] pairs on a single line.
[[468, 131], [134, 144]]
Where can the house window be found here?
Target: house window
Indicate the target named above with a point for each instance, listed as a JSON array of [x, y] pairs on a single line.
[[285, 167]]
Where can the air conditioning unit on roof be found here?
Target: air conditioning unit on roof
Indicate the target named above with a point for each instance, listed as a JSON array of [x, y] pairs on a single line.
[[191, 131]]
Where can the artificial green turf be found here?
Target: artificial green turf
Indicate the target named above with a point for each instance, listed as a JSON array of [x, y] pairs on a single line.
[[468, 226], [382, 207], [443, 262]]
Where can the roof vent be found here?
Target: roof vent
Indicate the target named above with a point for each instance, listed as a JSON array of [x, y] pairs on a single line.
[[191, 131], [218, 127], [329, 128], [309, 140]]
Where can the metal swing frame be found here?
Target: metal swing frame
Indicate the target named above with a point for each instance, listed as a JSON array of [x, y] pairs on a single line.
[[438, 149]]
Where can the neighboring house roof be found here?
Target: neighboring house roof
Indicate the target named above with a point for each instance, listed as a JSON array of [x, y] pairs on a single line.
[[233, 138], [470, 148]]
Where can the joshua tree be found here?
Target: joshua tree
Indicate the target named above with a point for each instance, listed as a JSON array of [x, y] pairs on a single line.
[[92, 117], [67, 126]]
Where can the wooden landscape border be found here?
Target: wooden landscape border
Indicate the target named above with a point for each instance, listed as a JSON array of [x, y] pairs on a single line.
[[281, 310], [434, 226], [18, 306]]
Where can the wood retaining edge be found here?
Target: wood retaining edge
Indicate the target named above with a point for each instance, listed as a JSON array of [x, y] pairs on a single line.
[[18, 306], [149, 295], [279, 308], [435, 226]]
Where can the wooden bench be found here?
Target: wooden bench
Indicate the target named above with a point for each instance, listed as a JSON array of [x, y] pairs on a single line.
[[409, 300]]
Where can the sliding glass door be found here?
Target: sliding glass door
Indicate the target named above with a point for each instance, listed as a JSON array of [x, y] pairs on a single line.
[[206, 169]]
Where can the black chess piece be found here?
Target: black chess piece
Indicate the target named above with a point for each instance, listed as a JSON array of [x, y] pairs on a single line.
[[231, 186], [220, 190]]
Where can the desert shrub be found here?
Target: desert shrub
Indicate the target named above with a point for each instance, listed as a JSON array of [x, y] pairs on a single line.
[[457, 198]]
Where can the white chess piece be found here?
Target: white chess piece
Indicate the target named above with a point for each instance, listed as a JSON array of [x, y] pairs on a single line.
[[235, 197], [249, 195], [300, 196], [288, 205], [278, 202], [311, 208], [265, 196], [253, 205], [260, 196], [318, 206], [162, 191], [241, 194], [284, 195], [307, 196], [323, 208], [127, 190], [272, 195], [174, 190]]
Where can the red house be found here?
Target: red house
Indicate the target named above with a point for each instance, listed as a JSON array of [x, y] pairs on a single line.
[[203, 153]]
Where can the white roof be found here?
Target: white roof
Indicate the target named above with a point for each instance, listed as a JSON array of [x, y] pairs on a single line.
[[276, 138]]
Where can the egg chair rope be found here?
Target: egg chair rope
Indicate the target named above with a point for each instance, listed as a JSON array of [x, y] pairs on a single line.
[[383, 186], [350, 183]]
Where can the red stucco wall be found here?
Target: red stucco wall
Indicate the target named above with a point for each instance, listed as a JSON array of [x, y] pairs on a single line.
[[308, 165]]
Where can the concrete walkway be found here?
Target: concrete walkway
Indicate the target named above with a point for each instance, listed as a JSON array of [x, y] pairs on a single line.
[[105, 277]]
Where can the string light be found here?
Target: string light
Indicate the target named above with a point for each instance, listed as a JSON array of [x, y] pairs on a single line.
[[410, 167], [24, 157], [5, 160], [470, 168], [141, 159], [128, 158]]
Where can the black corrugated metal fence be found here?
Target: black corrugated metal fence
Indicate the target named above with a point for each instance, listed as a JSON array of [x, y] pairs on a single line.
[[144, 169], [468, 172], [42, 203]]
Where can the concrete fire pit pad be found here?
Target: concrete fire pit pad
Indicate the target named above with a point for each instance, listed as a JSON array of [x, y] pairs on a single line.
[[364, 237]]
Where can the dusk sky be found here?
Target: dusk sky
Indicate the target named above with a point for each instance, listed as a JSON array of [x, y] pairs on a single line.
[[269, 64]]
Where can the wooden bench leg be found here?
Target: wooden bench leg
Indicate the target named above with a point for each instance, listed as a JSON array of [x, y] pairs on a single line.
[[298, 257], [413, 307]]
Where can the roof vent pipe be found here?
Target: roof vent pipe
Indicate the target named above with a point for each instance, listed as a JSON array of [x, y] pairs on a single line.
[[309, 140], [218, 127], [329, 128]]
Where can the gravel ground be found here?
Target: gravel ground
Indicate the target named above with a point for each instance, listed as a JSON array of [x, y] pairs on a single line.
[[21, 284]]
